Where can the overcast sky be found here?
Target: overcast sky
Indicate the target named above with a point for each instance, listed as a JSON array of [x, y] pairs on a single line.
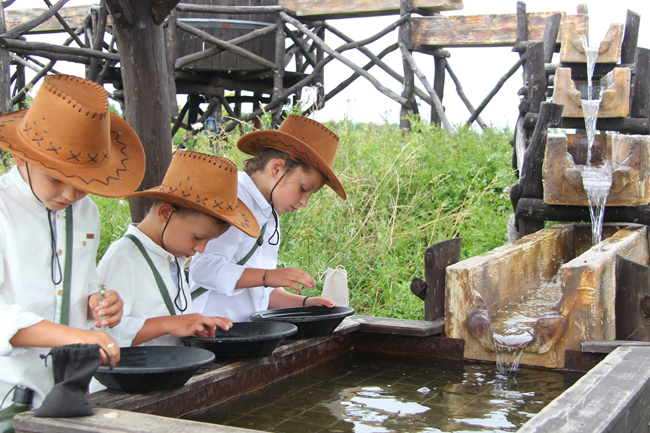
[[478, 69]]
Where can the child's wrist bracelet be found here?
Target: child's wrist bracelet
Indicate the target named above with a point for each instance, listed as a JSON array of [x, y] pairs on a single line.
[[304, 300], [264, 279]]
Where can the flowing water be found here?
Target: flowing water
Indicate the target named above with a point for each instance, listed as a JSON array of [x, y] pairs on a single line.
[[370, 393], [596, 180], [513, 325]]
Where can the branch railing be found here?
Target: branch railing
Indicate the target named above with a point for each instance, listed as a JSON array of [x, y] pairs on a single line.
[[307, 47]]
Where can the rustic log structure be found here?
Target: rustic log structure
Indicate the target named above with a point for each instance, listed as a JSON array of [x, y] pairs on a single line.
[[530, 136]]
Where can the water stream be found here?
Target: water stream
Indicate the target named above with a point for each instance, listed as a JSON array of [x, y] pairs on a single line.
[[596, 180], [513, 325]]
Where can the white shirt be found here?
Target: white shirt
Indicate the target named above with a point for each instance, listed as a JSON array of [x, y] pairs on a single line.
[[27, 293], [217, 269], [125, 270]]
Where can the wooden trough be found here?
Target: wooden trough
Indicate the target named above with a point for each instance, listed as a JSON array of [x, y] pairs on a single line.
[[479, 287], [615, 95], [628, 155]]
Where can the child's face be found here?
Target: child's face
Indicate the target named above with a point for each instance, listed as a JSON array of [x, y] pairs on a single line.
[[54, 194], [189, 233], [295, 188]]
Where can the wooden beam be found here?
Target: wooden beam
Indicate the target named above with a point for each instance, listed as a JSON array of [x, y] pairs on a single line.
[[363, 8], [25, 27], [483, 30], [16, 45]]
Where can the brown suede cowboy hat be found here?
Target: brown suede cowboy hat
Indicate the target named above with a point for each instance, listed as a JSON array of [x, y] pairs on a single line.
[[304, 139], [69, 133], [205, 184]]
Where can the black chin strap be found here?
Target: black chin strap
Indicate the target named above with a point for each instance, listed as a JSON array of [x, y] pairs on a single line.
[[276, 232], [51, 220], [180, 304]]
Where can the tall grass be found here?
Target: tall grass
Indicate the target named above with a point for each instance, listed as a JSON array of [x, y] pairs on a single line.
[[405, 192]]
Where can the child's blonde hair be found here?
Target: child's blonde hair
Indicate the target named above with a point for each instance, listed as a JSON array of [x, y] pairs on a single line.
[[266, 154]]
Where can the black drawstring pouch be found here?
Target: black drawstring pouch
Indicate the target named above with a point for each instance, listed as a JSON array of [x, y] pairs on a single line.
[[73, 366]]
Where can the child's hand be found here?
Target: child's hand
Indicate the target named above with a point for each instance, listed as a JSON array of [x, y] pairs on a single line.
[[217, 322], [289, 277], [104, 340], [320, 302], [110, 313], [195, 324]]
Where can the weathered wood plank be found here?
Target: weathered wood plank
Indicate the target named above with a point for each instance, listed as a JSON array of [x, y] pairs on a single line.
[[612, 397], [608, 346], [485, 30], [362, 8], [632, 290], [385, 325], [73, 15]]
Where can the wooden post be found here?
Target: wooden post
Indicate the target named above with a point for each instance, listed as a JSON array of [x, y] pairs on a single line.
[[432, 289], [278, 73], [170, 55], [550, 36], [5, 79], [193, 111], [535, 74], [146, 88], [320, 81], [409, 75], [97, 29], [640, 97], [630, 38], [438, 84], [632, 300], [532, 173]]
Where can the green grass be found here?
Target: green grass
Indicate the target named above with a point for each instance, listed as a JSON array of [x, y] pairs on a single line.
[[405, 192]]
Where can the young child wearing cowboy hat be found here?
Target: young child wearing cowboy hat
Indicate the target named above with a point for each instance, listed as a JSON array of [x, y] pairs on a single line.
[[197, 202], [237, 275], [65, 146]]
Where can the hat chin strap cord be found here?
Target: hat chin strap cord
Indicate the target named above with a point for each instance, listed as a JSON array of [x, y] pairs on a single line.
[[276, 232], [179, 283], [56, 264]]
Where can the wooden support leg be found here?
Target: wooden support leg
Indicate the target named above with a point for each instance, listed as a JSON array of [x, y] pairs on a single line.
[[531, 175], [5, 79], [170, 54], [432, 289], [278, 74], [438, 84], [409, 75], [632, 300]]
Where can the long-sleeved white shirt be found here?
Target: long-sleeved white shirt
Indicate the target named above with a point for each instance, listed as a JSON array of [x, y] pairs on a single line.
[[125, 270], [27, 293], [217, 269]]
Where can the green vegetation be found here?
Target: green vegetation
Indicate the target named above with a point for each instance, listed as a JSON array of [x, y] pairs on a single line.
[[405, 192]]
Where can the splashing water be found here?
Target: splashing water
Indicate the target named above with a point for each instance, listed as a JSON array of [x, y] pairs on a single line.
[[596, 180], [592, 55]]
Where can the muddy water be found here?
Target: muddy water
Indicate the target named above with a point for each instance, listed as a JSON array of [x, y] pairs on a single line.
[[371, 393]]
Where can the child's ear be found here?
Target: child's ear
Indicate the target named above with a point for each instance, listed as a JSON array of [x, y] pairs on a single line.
[[164, 211], [277, 167], [18, 160]]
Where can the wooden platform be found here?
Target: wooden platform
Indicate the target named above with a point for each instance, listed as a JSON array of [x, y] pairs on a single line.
[[485, 30], [362, 8]]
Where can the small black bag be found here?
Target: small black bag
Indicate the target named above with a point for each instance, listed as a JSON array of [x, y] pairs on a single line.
[[73, 366]]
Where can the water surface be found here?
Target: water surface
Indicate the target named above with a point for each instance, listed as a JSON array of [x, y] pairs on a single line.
[[366, 393]]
